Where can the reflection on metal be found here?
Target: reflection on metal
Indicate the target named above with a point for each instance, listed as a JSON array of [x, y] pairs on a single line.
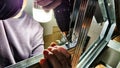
[[102, 7], [96, 48], [28, 63], [74, 17], [83, 12], [100, 15], [114, 45], [81, 27], [110, 55]]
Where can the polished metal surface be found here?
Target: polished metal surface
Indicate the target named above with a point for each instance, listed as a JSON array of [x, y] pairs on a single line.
[[110, 55], [74, 17], [82, 17], [114, 45], [28, 63], [81, 28], [96, 48]]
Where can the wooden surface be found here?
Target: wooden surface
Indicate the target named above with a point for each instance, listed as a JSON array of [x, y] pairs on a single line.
[[56, 35], [117, 38]]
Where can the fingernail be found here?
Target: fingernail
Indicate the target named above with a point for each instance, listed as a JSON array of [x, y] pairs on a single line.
[[42, 61], [45, 52], [53, 44], [49, 48]]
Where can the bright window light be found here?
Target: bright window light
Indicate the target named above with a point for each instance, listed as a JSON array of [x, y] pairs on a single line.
[[42, 16]]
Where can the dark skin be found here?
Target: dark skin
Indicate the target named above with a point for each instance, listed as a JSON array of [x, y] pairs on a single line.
[[56, 57], [49, 4]]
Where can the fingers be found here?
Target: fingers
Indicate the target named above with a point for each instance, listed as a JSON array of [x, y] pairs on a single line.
[[44, 63], [59, 48], [63, 50], [56, 56], [52, 5], [62, 55], [62, 59], [53, 44], [49, 4], [44, 2], [52, 59]]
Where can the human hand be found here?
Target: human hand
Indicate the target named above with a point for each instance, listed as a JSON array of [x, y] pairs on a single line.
[[49, 4], [56, 57]]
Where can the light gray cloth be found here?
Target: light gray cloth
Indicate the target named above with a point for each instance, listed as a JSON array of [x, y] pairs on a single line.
[[20, 38]]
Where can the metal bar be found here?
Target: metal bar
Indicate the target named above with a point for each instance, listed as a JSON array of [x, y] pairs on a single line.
[[86, 12], [74, 17], [27, 63], [94, 45], [91, 54]]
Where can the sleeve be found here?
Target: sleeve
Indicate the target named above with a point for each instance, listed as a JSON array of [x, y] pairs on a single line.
[[37, 39]]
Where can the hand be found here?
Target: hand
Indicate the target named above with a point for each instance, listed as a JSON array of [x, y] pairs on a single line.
[[49, 4], [56, 57]]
